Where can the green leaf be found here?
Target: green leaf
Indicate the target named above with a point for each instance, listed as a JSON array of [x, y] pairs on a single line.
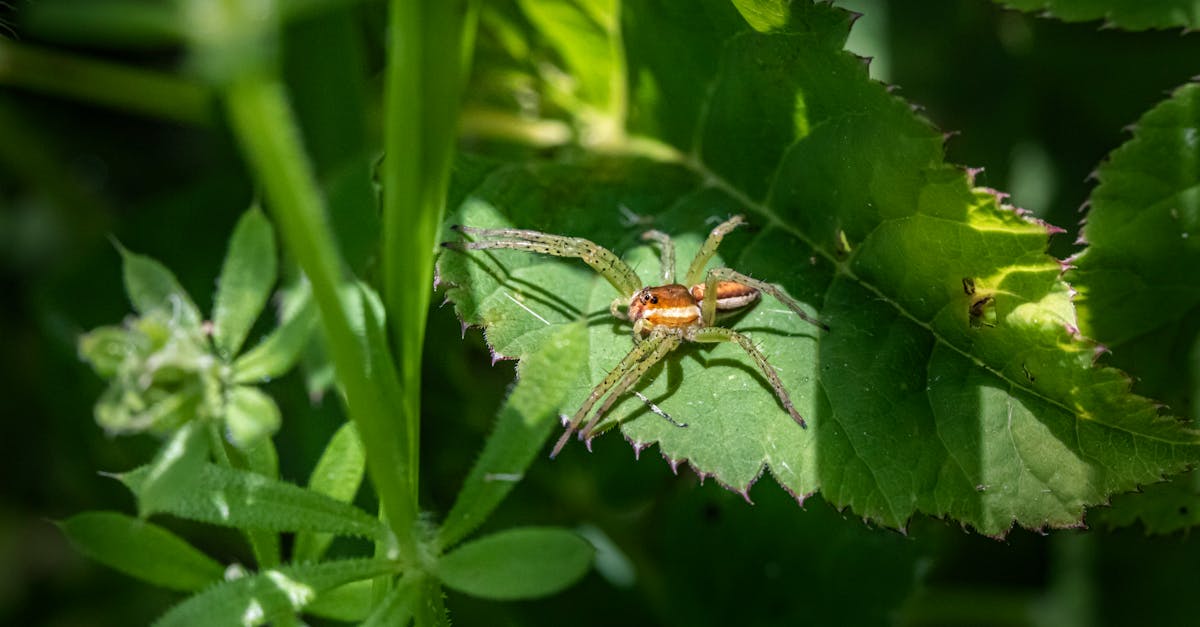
[[141, 549], [1162, 508], [396, 608], [1139, 293], [280, 350], [1126, 14], [517, 564], [522, 426], [106, 348], [914, 403], [174, 471], [152, 286], [245, 284], [259, 599], [250, 416], [235, 498], [338, 474]]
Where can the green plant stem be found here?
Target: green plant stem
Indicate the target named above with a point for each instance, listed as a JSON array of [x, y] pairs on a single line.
[[424, 78], [266, 127], [106, 84]]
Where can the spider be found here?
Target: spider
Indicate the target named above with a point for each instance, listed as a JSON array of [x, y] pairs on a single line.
[[663, 316]]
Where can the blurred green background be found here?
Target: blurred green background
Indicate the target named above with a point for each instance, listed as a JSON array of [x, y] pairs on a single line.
[[1036, 103]]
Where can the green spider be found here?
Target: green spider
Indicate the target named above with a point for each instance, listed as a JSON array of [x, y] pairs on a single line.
[[663, 316]]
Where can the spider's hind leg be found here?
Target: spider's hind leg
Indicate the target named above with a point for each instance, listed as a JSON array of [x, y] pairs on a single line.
[[713, 335], [708, 308], [632, 376]]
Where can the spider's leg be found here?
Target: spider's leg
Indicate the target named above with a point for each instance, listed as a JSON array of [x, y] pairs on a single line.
[[632, 376], [602, 260], [716, 275], [635, 355], [712, 335], [706, 252], [667, 248]]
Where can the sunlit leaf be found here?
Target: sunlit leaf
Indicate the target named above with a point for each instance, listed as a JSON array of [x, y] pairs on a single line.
[[174, 471], [517, 563], [141, 549], [280, 349], [250, 416], [953, 380], [235, 498], [245, 282]]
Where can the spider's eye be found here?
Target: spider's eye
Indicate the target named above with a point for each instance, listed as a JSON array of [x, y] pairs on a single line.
[[654, 299]]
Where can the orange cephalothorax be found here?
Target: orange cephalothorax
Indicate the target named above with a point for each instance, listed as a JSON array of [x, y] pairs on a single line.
[[664, 306], [730, 295]]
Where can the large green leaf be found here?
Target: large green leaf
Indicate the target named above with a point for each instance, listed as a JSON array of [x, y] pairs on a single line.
[[1139, 292], [1127, 14], [922, 397]]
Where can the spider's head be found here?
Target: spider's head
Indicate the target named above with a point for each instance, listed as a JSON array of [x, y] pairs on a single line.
[[665, 305]]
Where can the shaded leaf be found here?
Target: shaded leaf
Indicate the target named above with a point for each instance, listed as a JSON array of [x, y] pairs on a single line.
[[259, 599], [525, 421], [953, 380], [236, 498], [349, 602], [1138, 289], [141, 549], [150, 286], [1127, 14], [245, 283], [250, 416], [517, 564], [396, 608], [338, 474]]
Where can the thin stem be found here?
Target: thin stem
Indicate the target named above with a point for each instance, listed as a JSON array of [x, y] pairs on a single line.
[[106, 84], [266, 127]]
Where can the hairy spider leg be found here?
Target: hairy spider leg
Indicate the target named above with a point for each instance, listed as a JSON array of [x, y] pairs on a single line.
[[638, 352], [667, 250], [713, 335], [635, 373], [708, 308], [605, 262], [709, 248]]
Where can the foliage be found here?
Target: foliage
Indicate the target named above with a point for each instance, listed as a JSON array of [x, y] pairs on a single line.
[[963, 380]]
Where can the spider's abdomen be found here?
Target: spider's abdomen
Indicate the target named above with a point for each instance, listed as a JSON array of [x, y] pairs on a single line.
[[730, 295], [664, 306]]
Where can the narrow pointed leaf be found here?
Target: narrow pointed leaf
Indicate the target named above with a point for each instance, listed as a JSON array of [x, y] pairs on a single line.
[[250, 416], [236, 498], [525, 420], [338, 474], [952, 381], [150, 286], [279, 350], [520, 563], [245, 284], [175, 469], [1126, 14], [350, 602], [397, 605], [259, 599], [141, 549]]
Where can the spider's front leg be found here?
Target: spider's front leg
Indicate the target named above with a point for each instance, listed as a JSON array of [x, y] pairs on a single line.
[[709, 248], [631, 359], [708, 307], [667, 250], [605, 262], [713, 335]]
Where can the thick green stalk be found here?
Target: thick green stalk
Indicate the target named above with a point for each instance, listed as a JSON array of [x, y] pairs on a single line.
[[265, 126], [427, 62]]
